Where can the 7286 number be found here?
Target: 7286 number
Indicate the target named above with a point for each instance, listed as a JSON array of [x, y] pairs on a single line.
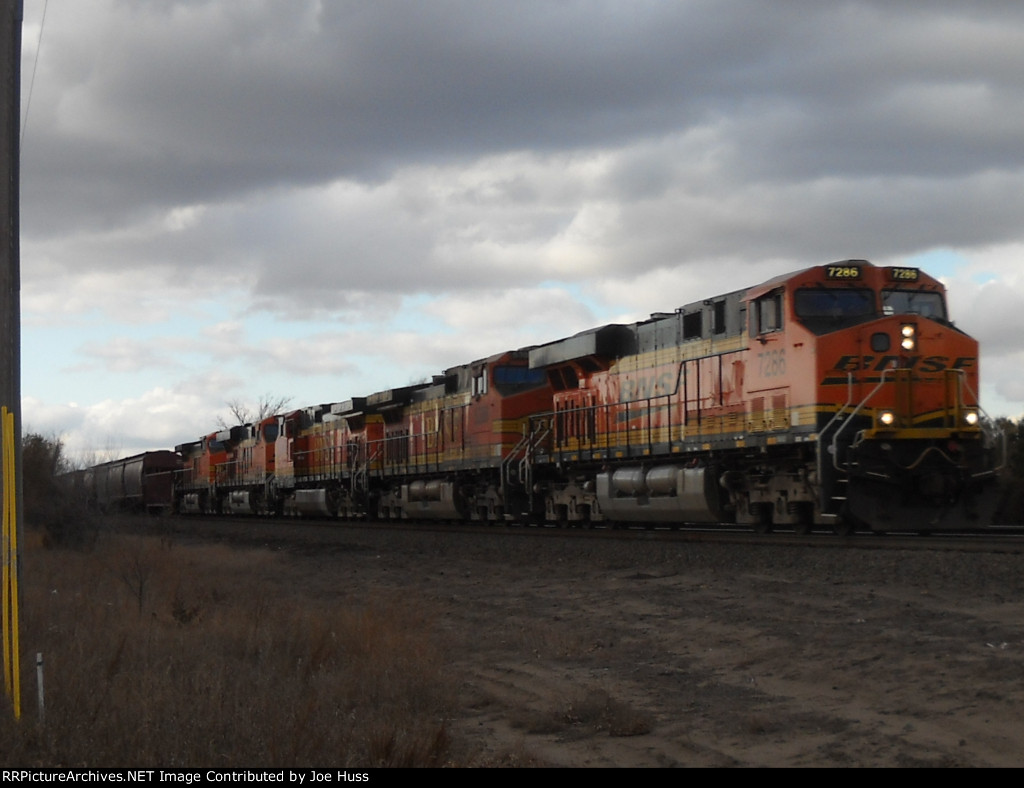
[[772, 363]]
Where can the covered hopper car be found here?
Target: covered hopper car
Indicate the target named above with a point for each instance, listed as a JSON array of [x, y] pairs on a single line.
[[144, 482]]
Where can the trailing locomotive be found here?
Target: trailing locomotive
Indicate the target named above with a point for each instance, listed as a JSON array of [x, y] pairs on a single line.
[[839, 396]]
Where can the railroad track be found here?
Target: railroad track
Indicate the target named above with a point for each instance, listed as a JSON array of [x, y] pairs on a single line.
[[284, 532]]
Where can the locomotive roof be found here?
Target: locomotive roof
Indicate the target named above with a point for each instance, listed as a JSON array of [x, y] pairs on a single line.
[[775, 281], [610, 341], [867, 272], [159, 457]]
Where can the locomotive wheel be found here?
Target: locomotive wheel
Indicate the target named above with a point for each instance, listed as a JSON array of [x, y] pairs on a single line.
[[764, 524], [804, 521]]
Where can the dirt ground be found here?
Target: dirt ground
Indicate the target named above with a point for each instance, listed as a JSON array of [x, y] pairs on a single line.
[[643, 653]]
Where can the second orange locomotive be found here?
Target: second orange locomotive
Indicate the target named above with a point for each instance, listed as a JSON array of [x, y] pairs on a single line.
[[839, 396]]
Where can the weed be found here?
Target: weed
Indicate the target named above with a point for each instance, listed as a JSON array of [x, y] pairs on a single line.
[[238, 674]]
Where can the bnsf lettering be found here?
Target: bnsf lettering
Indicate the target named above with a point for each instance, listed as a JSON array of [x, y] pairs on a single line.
[[921, 364], [645, 388]]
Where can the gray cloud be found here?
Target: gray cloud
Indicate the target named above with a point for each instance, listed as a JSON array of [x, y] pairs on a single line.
[[332, 160], [150, 106]]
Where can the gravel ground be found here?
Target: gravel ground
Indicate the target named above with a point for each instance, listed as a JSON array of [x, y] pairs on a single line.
[[601, 652]]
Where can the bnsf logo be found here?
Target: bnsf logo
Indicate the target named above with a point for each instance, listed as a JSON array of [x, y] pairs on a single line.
[[917, 363]]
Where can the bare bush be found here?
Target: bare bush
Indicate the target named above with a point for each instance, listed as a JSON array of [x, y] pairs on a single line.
[[240, 412], [52, 501]]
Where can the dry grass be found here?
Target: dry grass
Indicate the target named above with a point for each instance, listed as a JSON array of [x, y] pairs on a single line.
[[165, 655]]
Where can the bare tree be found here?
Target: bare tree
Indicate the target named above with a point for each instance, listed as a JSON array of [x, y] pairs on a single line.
[[244, 413]]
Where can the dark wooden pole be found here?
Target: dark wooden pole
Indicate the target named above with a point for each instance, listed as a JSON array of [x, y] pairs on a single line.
[[10, 266]]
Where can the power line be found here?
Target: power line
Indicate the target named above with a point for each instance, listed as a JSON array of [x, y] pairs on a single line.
[[35, 66]]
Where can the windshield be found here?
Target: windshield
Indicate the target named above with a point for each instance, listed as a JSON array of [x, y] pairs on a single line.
[[913, 302], [512, 380], [824, 309]]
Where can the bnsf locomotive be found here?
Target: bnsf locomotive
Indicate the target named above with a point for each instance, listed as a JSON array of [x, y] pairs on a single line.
[[838, 396]]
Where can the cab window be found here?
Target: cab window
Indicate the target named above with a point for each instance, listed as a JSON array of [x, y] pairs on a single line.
[[913, 302], [512, 379], [824, 309], [480, 381], [767, 314]]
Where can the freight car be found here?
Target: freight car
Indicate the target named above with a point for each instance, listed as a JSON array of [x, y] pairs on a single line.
[[839, 396], [144, 482]]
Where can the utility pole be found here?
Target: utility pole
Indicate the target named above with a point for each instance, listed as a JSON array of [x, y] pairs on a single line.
[[10, 266], [10, 342], [10, 273]]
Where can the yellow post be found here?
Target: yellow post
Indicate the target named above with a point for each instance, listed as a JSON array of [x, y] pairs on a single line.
[[12, 646], [15, 576]]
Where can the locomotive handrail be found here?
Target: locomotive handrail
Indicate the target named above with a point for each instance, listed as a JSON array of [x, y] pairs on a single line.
[[507, 462], [842, 408], [530, 439], [363, 471], [985, 428], [963, 384], [820, 454], [525, 464], [835, 438]]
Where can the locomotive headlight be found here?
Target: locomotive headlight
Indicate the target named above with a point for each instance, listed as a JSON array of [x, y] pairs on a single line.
[[886, 418], [971, 418], [908, 334]]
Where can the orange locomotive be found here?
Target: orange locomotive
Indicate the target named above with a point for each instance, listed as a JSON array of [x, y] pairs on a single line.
[[449, 449], [841, 395], [197, 484], [838, 396]]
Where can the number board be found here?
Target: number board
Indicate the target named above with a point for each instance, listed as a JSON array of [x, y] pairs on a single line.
[[842, 272], [903, 274]]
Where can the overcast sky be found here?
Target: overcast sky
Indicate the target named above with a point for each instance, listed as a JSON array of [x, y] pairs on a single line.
[[226, 199]]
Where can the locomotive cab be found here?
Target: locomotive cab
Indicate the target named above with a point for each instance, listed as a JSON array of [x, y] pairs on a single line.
[[900, 430]]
